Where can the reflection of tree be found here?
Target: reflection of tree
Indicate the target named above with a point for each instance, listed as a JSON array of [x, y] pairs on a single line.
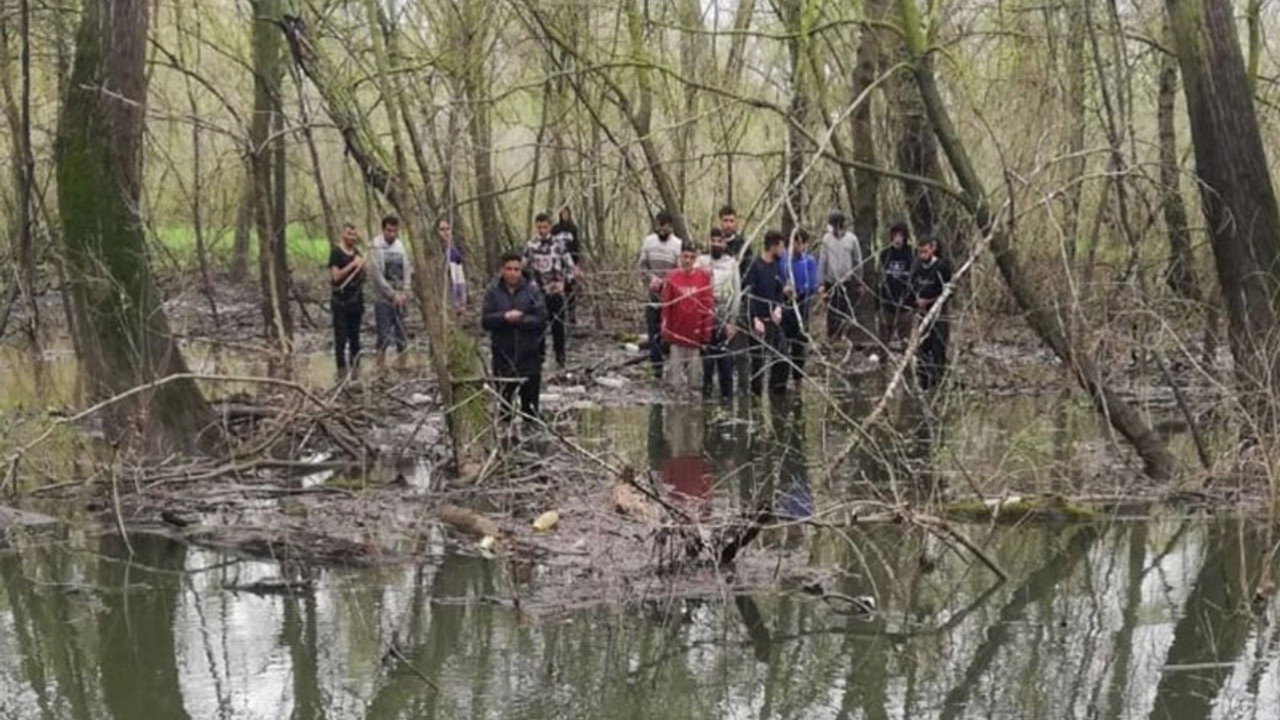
[[1214, 625], [1124, 637], [299, 633], [1035, 588], [137, 660]]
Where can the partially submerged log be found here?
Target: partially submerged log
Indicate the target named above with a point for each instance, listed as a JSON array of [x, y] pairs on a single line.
[[467, 522]]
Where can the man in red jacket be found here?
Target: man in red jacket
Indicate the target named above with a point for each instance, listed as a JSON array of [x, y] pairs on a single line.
[[688, 315]]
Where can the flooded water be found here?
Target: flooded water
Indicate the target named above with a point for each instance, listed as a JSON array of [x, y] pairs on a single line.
[[1130, 620]]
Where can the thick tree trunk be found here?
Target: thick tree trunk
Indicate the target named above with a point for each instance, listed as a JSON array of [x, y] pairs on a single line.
[[267, 160], [1075, 118], [1040, 311], [1237, 196], [1180, 273], [867, 184], [244, 231], [125, 339]]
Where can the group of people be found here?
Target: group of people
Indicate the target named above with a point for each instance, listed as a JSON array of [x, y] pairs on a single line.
[[727, 316], [389, 269]]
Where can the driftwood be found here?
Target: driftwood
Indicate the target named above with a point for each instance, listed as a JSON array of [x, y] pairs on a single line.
[[467, 521]]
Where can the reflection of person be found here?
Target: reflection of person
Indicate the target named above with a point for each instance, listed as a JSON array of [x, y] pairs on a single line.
[[676, 451], [794, 498], [346, 277], [515, 314]]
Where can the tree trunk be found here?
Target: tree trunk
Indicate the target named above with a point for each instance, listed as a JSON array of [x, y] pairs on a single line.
[[1237, 196], [125, 339], [1180, 274], [1041, 311], [244, 222], [18, 114], [267, 160], [1075, 101], [867, 184]]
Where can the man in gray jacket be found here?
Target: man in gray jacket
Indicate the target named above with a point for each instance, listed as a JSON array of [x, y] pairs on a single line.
[[659, 254], [392, 277], [839, 267]]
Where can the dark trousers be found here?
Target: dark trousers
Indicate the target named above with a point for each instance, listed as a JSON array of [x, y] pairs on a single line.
[[768, 355], [346, 332], [653, 323], [571, 301], [555, 312], [529, 385], [795, 328], [931, 358], [895, 323], [389, 320], [717, 361], [740, 346], [840, 309]]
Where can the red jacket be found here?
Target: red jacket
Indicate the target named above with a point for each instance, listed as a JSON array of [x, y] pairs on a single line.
[[688, 308]]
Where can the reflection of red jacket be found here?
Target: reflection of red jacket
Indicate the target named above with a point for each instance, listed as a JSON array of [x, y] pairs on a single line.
[[689, 477], [688, 308]]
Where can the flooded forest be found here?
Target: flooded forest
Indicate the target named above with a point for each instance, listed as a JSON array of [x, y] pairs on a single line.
[[654, 359]]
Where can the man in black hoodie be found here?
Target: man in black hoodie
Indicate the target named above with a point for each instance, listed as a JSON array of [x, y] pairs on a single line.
[[515, 314], [928, 279], [763, 289], [896, 304]]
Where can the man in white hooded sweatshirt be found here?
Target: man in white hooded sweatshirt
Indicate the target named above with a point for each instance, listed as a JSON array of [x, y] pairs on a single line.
[[839, 267]]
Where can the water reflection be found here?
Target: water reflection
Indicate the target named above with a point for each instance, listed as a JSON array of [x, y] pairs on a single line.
[[1129, 621]]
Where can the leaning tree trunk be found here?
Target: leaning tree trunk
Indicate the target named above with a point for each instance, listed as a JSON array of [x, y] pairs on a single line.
[[267, 161], [1040, 311], [1237, 196], [124, 335]]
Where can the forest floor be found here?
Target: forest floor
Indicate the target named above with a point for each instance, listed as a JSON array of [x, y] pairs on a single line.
[[360, 473]]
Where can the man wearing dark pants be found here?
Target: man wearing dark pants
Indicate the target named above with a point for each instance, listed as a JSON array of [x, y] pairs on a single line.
[[738, 247], [550, 266], [839, 271], [928, 279], [392, 276], [515, 315], [799, 272], [726, 286], [763, 289], [346, 277], [659, 255], [566, 233], [896, 304]]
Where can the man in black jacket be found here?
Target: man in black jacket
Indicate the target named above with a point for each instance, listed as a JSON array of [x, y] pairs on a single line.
[[896, 303], [515, 314], [736, 244], [928, 279], [763, 289]]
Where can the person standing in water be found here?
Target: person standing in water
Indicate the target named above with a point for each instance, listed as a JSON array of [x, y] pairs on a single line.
[[515, 315], [659, 255], [726, 287], [550, 266], [391, 275], [896, 305], [346, 302], [799, 273], [565, 231], [763, 289], [928, 279], [839, 269], [688, 313]]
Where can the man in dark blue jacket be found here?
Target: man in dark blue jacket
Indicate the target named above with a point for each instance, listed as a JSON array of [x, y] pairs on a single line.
[[515, 314]]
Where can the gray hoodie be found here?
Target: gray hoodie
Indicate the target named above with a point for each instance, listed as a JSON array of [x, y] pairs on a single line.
[[392, 269], [840, 258]]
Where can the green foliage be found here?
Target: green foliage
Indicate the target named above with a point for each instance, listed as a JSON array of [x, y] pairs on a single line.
[[179, 243]]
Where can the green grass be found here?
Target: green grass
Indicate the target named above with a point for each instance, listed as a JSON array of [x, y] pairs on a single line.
[[179, 243]]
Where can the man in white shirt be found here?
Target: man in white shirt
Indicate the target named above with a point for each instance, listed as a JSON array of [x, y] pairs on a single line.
[[726, 286], [659, 254], [391, 276], [839, 268]]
